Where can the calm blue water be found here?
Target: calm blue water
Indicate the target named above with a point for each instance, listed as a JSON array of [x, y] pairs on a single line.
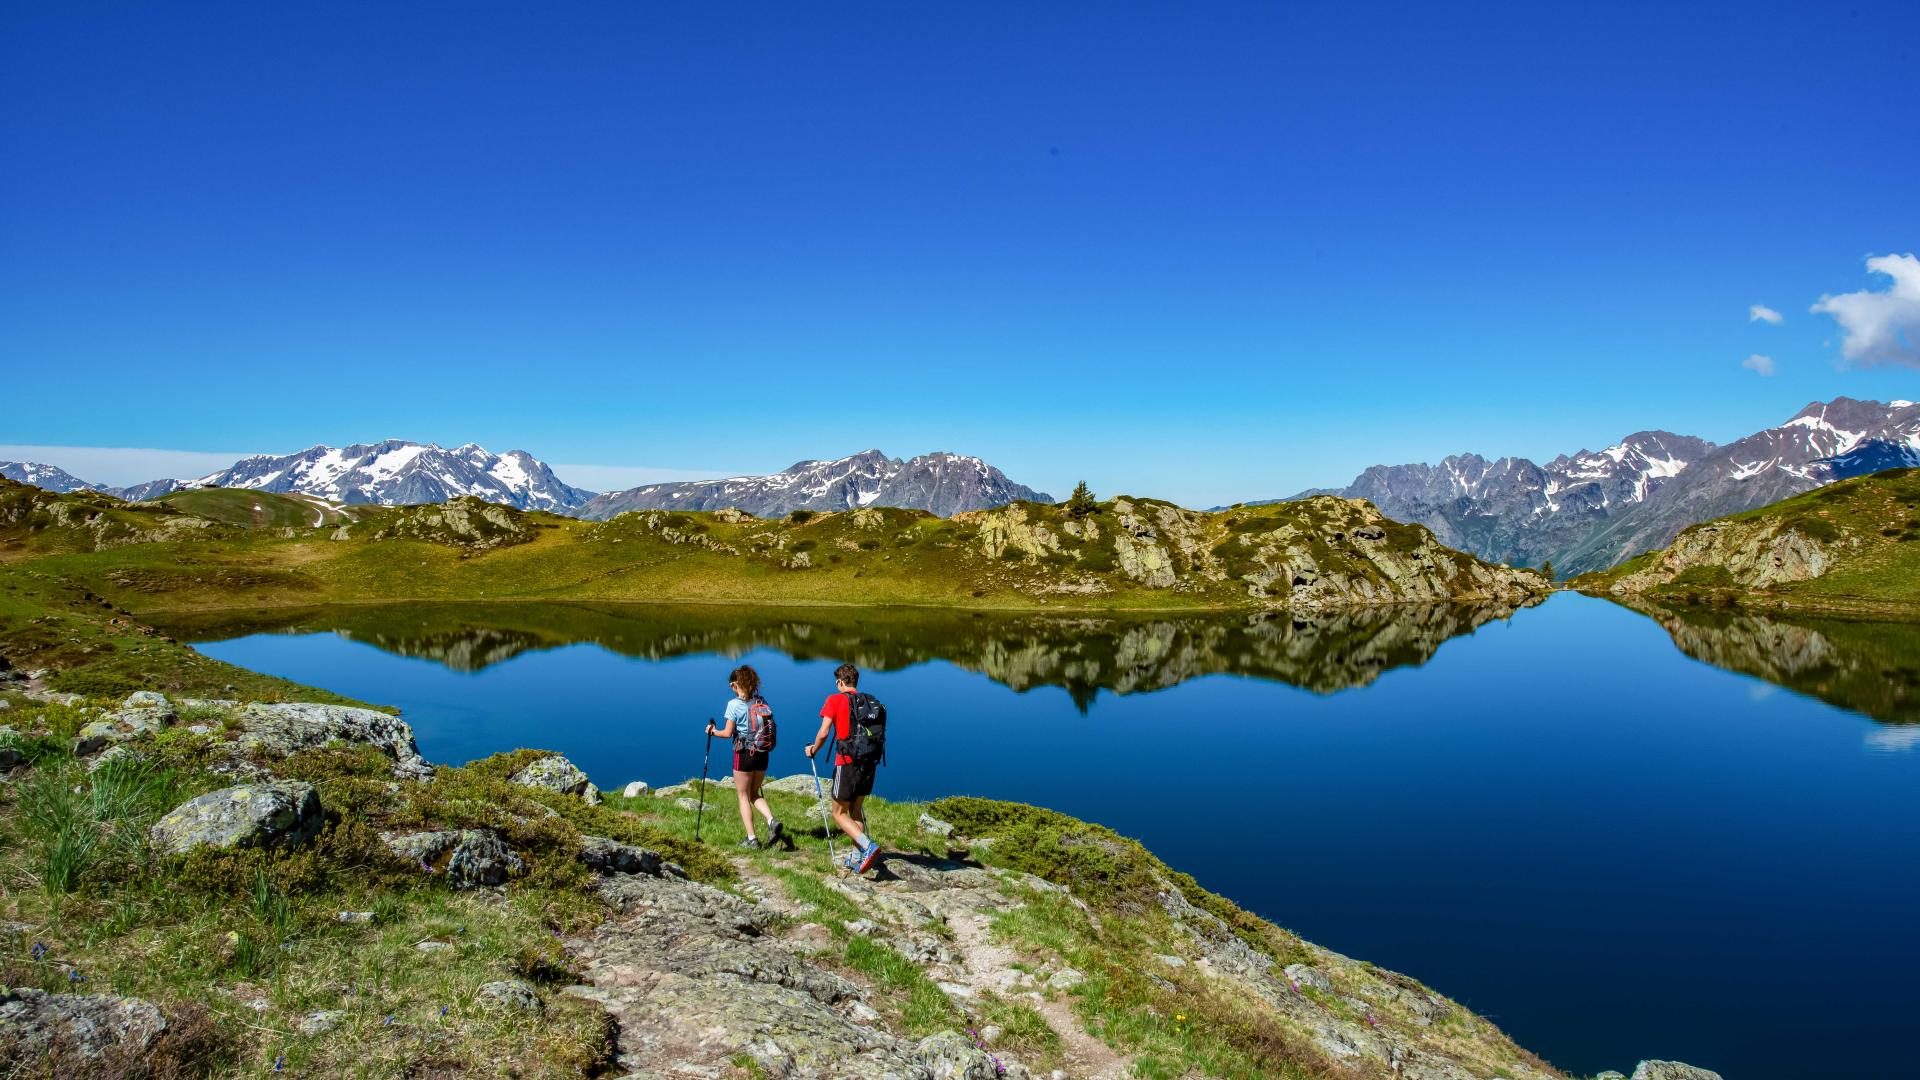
[[1611, 849]]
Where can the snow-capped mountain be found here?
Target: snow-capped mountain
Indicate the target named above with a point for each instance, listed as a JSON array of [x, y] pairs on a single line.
[[943, 483], [1519, 512], [395, 472], [1590, 510], [1824, 442], [50, 477]]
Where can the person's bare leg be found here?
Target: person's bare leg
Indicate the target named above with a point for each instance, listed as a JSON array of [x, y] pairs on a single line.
[[758, 787], [744, 794], [860, 814], [843, 815]]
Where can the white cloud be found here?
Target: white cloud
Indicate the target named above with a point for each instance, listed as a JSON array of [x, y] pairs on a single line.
[[121, 466], [622, 477], [1880, 327], [1759, 365], [1765, 314]]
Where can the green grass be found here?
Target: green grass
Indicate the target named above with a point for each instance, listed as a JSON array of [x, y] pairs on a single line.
[[259, 509], [924, 1009]]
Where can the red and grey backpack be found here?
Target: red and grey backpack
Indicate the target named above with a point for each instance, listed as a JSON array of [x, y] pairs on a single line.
[[866, 728], [756, 734]]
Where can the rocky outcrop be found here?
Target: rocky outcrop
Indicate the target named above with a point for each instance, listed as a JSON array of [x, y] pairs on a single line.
[[281, 729], [1751, 555], [467, 521], [1671, 1070], [465, 857], [556, 773], [279, 813], [77, 1030]]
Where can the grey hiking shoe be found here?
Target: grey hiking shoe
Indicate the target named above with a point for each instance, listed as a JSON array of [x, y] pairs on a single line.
[[750, 844], [775, 832]]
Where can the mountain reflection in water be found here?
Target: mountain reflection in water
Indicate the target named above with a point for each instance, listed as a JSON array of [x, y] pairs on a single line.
[[1869, 667], [1082, 654]]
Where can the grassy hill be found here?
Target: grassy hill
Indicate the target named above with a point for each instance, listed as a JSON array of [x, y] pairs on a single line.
[[1851, 547], [205, 550], [259, 509]]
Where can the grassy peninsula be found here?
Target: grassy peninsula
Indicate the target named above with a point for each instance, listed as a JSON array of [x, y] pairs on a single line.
[[1851, 548]]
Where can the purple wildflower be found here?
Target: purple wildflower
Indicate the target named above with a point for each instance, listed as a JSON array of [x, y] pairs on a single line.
[[39, 949], [279, 1063]]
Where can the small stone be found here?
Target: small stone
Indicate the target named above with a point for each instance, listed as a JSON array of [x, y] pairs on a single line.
[[991, 1033], [514, 994], [432, 946], [1309, 977], [1171, 961], [955, 990], [116, 752], [931, 824], [97, 736], [467, 856], [634, 790], [146, 699], [319, 1023], [357, 918], [1065, 979], [687, 804], [1609, 1074], [863, 927], [862, 1013]]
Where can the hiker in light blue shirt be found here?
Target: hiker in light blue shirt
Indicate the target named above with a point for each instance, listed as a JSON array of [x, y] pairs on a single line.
[[749, 723]]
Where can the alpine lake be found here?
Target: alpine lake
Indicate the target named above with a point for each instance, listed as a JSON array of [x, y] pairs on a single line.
[[1618, 834]]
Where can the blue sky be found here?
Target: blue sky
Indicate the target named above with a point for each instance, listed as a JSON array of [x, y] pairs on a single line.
[[1203, 252]]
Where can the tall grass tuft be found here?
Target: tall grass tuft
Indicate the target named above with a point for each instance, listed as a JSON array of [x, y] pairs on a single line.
[[92, 827]]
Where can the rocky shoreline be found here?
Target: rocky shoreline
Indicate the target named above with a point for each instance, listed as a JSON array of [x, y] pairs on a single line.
[[952, 960]]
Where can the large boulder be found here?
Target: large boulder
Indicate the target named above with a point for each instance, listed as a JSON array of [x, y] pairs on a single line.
[[467, 857], [1672, 1070], [288, 727], [556, 773], [75, 1029], [278, 813]]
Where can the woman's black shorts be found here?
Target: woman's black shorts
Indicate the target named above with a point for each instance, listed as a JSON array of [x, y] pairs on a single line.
[[748, 761]]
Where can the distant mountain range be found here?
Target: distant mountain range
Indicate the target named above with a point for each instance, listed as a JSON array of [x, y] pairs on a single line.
[[1590, 510], [943, 483], [49, 477], [396, 472]]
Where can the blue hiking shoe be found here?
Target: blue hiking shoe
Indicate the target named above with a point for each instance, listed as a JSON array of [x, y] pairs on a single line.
[[850, 862], [867, 859]]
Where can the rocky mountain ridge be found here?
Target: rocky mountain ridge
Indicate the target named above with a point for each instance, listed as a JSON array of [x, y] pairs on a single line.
[[1588, 511], [397, 472], [941, 483]]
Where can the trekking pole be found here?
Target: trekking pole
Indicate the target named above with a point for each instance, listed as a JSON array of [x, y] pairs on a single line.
[[826, 825], [705, 757]]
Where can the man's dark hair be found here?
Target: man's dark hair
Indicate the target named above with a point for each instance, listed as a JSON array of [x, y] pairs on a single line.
[[848, 674]]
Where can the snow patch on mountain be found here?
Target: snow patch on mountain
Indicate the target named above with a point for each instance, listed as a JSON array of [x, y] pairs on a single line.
[[397, 472]]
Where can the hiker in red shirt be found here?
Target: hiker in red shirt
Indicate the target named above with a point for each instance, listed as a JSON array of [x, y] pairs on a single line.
[[858, 754]]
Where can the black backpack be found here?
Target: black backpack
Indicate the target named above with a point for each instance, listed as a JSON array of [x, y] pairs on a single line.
[[866, 741]]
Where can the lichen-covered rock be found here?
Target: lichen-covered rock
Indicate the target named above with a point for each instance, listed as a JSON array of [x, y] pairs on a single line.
[[930, 824], [1672, 1070], [556, 773], [1309, 978], [634, 790], [612, 857], [285, 728], [319, 1023], [97, 736], [10, 752], [950, 1055], [84, 1027], [279, 813], [468, 857], [513, 994]]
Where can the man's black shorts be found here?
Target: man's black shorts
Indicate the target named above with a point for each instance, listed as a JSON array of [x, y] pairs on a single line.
[[853, 781]]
